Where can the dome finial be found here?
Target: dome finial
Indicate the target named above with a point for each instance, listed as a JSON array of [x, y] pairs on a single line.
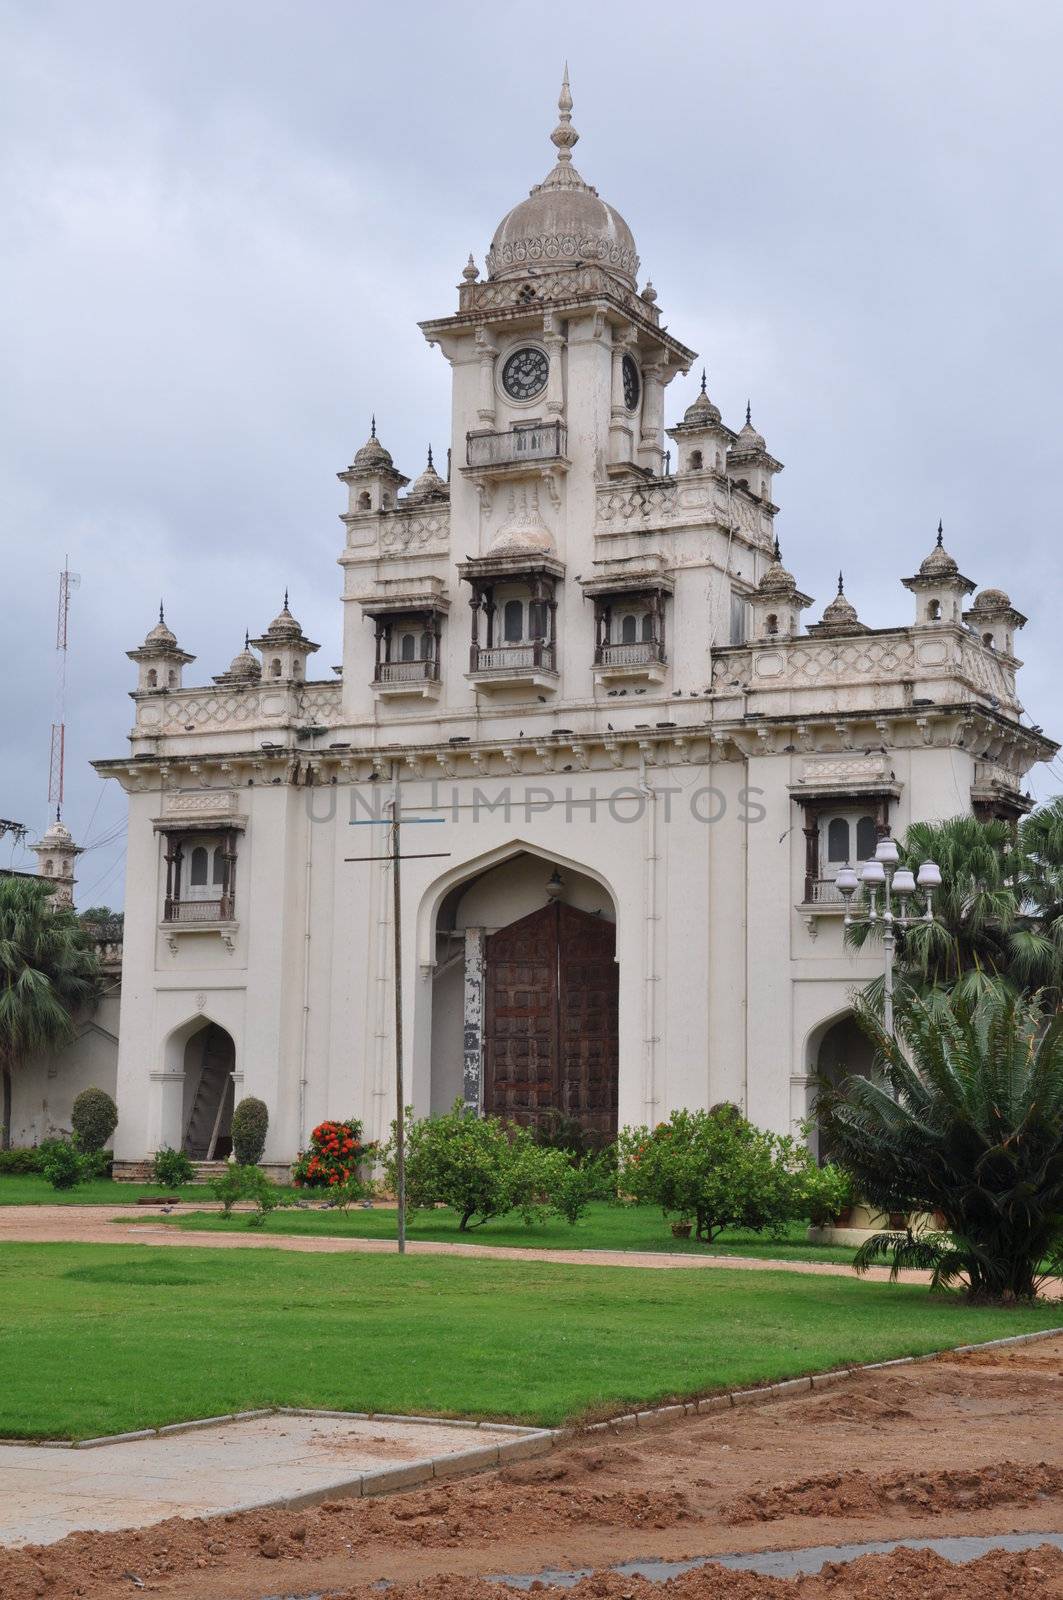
[[162, 619], [470, 271], [564, 135], [941, 532], [776, 553], [841, 584], [430, 462], [703, 381], [372, 426], [749, 414], [285, 597]]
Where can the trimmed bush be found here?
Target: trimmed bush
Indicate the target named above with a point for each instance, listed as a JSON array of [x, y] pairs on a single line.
[[93, 1117], [20, 1163], [172, 1169], [336, 1151], [249, 1128]]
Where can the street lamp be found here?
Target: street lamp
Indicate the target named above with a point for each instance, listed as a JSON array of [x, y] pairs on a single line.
[[884, 874]]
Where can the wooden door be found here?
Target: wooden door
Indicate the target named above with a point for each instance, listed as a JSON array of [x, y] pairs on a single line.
[[551, 1038]]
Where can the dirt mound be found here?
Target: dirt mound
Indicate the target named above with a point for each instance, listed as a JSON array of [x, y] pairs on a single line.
[[904, 1575], [856, 1493]]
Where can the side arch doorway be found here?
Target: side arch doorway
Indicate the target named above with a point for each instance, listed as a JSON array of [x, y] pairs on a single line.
[[551, 1020], [209, 1061]]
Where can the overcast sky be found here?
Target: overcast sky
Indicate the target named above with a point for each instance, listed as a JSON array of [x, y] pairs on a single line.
[[222, 220]]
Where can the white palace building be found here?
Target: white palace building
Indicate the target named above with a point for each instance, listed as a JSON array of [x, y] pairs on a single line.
[[628, 768]]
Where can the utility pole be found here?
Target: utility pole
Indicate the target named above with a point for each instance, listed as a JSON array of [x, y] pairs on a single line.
[[400, 1092]]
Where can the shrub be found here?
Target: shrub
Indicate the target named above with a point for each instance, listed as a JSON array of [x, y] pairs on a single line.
[[249, 1127], [245, 1182], [481, 1167], [574, 1184], [62, 1166], [717, 1170], [93, 1117], [336, 1151], [172, 1168], [968, 1124]]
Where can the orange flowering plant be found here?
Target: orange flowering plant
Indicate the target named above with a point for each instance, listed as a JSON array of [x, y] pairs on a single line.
[[336, 1152]]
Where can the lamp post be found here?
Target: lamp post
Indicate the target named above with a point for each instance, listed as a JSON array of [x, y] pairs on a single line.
[[884, 874]]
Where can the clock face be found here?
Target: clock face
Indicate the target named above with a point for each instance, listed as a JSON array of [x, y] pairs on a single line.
[[632, 384], [524, 374]]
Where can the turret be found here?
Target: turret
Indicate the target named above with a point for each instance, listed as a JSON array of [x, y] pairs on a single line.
[[777, 603], [245, 669], [994, 619], [372, 478], [839, 617], [939, 586], [748, 462], [56, 853], [284, 647], [702, 441], [160, 660]]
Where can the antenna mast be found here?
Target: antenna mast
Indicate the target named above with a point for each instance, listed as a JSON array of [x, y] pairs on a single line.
[[68, 582]]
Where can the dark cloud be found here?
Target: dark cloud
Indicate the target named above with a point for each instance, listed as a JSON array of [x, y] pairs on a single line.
[[223, 223]]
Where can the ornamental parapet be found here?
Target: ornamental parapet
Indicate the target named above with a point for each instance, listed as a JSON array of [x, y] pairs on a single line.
[[644, 505], [402, 530], [258, 707]]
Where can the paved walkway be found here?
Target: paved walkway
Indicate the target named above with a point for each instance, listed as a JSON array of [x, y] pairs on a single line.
[[103, 1225], [47, 1493]]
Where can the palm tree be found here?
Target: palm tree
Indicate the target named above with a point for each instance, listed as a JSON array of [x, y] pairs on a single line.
[[48, 972], [968, 1126], [1041, 883], [985, 925]]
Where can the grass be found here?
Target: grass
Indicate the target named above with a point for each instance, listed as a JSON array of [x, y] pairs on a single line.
[[31, 1189], [99, 1338], [604, 1227]]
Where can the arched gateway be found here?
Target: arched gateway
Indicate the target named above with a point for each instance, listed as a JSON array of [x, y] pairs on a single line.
[[526, 997]]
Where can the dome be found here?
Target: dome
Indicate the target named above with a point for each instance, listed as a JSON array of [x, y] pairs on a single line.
[[840, 616], [938, 564], [991, 600], [372, 453], [58, 836], [429, 485], [776, 579], [564, 221], [522, 541], [160, 634], [284, 625], [246, 664], [702, 411], [748, 437]]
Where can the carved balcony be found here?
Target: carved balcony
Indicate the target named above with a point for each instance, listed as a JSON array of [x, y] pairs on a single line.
[[531, 665]]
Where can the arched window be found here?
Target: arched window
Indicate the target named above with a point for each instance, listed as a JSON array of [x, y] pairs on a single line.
[[838, 840], [153, 678], [866, 839], [988, 641], [933, 611], [536, 620], [408, 647], [695, 460], [426, 647], [771, 625], [647, 627], [197, 869], [364, 502], [275, 667], [513, 621], [171, 678], [629, 629], [217, 876], [49, 869]]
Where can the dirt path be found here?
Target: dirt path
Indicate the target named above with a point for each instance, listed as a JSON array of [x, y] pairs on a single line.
[[102, 1225], [964, 1444]]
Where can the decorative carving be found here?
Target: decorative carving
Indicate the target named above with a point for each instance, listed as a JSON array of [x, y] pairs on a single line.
[[190, 802], [403, 531]]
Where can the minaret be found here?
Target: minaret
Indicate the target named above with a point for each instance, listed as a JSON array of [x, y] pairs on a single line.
[[995, 620], [777, 603], [748, 461], [373, 479], [702, 439], [160, 659], [56, 853], [839, 617]]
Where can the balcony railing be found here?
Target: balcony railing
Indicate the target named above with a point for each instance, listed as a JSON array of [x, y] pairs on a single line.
[[641, 654], [825, 892], [199, 910], [407, 672], [540, 441], [538, 655]]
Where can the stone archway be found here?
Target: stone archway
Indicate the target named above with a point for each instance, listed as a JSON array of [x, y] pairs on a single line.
[[839, 1049], [207, 1110]]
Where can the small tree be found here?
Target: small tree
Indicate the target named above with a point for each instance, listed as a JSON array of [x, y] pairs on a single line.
[[249, 1127], [968, 1124], [481, 1167], [172, 1169], [719, 1171], [93, 1117]]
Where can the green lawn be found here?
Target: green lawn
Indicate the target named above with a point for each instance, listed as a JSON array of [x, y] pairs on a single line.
[[99, 1338], [605, 1227]]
